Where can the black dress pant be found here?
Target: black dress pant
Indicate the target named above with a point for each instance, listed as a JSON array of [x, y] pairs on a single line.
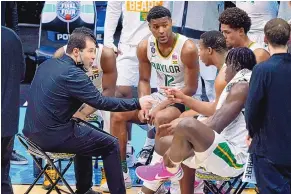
[[7, 144], [86, 141]]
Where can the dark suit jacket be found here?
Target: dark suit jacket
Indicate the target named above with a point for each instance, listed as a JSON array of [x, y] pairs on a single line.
[[12, 72]]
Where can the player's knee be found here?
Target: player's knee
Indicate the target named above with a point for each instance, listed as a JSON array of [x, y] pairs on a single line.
[[186, 126], [161, 118], [117, 117]]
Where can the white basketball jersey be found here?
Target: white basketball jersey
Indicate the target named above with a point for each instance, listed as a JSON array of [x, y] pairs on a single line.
[[236, 131], [253, 46], [260, 12], [170, 69], [134, 14], [95, 73]]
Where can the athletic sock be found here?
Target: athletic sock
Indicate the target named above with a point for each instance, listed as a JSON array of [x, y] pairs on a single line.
[[176, 167], [149, 142]]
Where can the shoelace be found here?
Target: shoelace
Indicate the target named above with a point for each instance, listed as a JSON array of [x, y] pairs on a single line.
[[145, 152]]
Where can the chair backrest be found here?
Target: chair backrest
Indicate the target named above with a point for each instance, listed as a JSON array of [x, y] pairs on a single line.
[[60, 18]]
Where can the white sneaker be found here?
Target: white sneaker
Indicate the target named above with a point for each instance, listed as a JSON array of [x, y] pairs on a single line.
[[127, 182], [162, 190], [175, 187], [143, 155], [130, 158]]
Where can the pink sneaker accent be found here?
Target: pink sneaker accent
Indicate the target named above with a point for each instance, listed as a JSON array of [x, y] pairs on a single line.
[[157, 172]]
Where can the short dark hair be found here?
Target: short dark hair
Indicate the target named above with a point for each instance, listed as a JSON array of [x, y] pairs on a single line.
[[78, 39], [277, 32], [241, 58], [158, 12], [215, 40], [236, 18]]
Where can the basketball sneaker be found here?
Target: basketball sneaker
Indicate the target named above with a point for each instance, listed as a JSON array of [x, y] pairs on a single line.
[[144, 155], [157, 172]]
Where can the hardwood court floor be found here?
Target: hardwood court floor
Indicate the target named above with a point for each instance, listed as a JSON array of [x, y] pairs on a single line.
[[20, 189]]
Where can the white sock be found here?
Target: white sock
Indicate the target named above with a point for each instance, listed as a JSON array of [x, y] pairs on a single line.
[[174, 169], [149, 142]]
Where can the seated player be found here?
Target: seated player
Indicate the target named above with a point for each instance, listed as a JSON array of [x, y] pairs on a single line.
[[235, 24]]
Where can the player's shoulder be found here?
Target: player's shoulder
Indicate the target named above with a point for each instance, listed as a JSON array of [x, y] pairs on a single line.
[[189, 47], [143, 45]]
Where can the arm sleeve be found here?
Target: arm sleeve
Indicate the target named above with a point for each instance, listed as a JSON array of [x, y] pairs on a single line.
[[254, 104], [80, 87], [113, 12]]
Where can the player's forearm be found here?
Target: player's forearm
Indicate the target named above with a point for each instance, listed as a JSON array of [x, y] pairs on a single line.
[[204, 108], [189, 91], [144, 88]]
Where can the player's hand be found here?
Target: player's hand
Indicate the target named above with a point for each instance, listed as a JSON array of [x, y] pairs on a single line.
[[153, 113], [80, 115], [115, 49], [169, 128], [174, 95], [143, 116], [147, 102], [248, 140]]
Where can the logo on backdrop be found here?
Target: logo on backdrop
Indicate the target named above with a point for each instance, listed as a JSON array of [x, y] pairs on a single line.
[[68, 11]]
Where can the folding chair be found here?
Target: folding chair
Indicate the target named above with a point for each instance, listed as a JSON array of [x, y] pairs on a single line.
[[229, 183], [51, 158]]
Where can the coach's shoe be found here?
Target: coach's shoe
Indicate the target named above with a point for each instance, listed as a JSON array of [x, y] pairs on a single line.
[[144, 155], [53, 175], [127, 182], [130, 158], [157, 172]]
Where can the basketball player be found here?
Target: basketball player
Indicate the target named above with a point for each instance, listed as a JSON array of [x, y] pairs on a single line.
[[135, 29], [218, 143], [174, 58], [103, 74], [260, 13], [192, 19], [235, 24]]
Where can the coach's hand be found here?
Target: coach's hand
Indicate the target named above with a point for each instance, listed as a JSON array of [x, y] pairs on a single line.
[[80, 115], [143, 116], [169, 128]]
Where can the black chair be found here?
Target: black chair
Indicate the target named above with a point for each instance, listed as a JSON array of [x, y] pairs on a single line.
[[228, 183], [36, 152]]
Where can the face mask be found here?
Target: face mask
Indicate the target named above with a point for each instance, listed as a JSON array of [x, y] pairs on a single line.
[[81, 64]]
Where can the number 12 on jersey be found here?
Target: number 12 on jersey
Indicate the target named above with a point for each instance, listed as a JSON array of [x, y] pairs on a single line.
[[168, 80]]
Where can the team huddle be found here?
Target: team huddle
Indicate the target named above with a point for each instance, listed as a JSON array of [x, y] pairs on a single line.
[[185, 133]]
